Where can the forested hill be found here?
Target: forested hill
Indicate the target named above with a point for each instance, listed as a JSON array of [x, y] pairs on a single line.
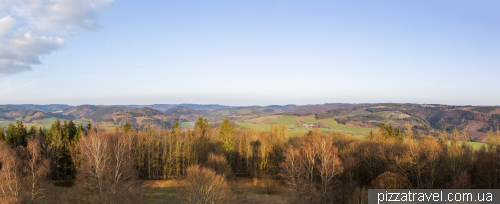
[[423, 118]]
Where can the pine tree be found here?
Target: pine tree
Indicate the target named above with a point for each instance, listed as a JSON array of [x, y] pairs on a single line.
[[2, 134], [203, 125], [89, 126], [399, 135], [175, 128], [16, 135], [226, 136], [390, 132], [127, 127], [382, 129], [71, 129], [370, 135]]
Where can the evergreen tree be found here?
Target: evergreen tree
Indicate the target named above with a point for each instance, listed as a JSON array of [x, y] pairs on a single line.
[[127, 127], [2, 134], [71, 127], [203, 125], [226, 136], [390, 131], [16, 135], [79, 130], [175, 128], [382, 128], [89, 126], [399, 135]]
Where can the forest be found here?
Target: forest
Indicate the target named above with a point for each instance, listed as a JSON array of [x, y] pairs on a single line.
[[108, 166]]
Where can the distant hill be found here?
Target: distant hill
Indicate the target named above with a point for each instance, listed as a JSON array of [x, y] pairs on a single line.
[[424, 118], [27, 107]]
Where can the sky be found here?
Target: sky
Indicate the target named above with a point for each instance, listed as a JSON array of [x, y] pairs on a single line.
[[262, 52]]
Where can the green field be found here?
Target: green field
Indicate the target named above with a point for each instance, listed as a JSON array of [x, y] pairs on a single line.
[[185, 125], [476, 144], [287, 119], [473, 144], [254, 126], [383, 114], [6, 123], [359, 112], [107, 126], [331, 123], [223, 112]]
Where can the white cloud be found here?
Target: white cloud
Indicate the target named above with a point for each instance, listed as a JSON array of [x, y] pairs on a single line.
[[33, 28]]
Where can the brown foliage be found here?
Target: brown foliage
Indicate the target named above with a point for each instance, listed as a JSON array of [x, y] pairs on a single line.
[[22, 172], [106, 172], [204, 185], [10, 175], [36, 168], [389, 180], [219, 164]]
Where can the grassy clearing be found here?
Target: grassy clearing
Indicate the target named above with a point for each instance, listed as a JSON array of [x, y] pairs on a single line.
[[383, 114], [246, 190], [476, 144], [185, 125], [48, 121], [286, 119], [263, 119], [332, 123], [359, 112], [107, 126], [6, 123]]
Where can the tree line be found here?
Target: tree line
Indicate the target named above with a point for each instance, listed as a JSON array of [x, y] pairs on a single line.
[[316, 167]]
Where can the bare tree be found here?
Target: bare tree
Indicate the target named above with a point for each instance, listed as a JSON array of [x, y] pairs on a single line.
[[293, 171], [329, 165], [204, 185], [106, 171], [10, 175], [37, 168]]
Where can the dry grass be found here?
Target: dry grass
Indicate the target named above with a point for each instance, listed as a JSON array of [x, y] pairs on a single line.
[[299, 119], [496, 111], [402, 116], [263, 119], [247, 190]]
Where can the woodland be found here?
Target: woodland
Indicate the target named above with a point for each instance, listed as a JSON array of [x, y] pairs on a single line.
[[108, 166]]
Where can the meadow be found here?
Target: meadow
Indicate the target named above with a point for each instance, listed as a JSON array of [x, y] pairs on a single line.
[[297, 125]]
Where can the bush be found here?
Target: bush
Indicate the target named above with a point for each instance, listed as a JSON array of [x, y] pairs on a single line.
[[219, 164], [204, 185]]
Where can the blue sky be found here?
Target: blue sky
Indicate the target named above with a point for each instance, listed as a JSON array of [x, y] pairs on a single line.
[[251, 52]]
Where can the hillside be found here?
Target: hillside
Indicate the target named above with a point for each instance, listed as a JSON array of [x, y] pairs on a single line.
[[355, 119]]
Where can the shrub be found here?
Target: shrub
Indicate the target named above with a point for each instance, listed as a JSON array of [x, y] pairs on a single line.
[[204, 185]]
